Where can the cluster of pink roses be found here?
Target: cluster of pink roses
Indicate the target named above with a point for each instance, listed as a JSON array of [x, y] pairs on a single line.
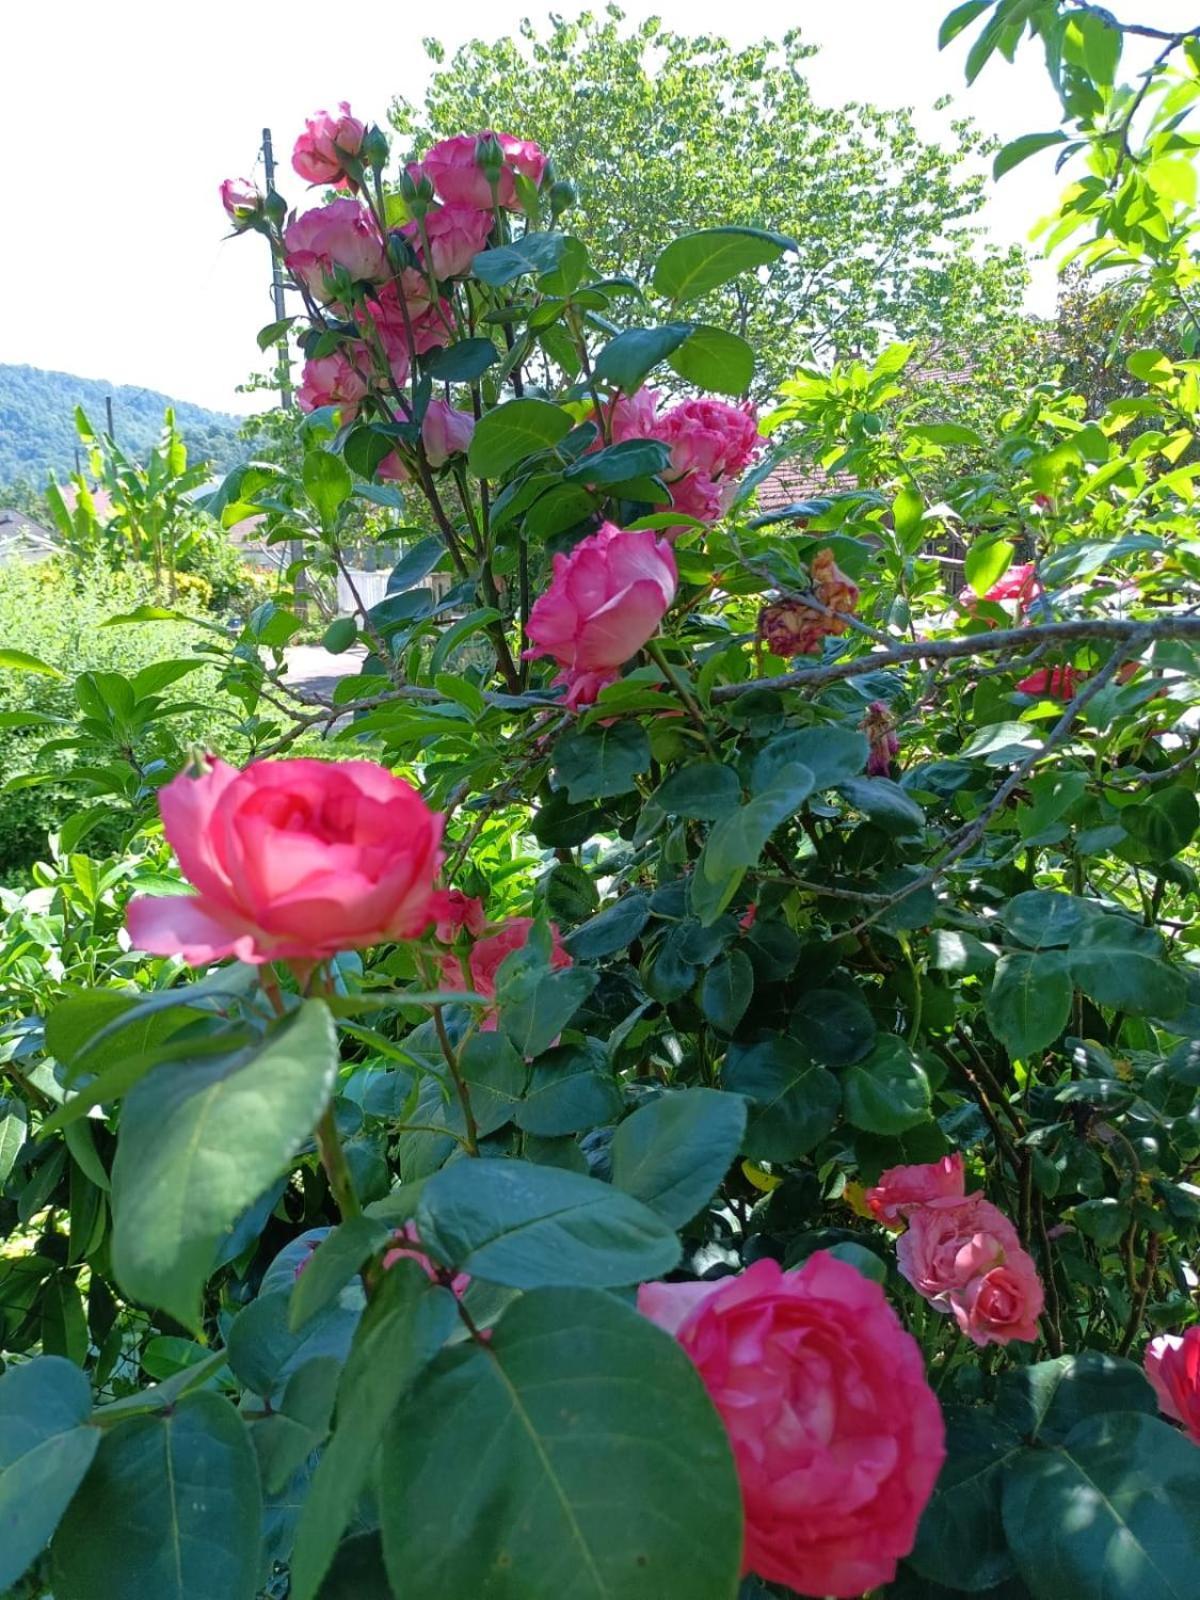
[[959, 1251], [836, 1434], [605, 601], [789, 627], [711, 444]]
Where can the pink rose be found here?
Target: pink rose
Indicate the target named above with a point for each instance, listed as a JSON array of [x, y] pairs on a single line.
[[1058, 683], [1173, 1368], [240, 199], [456, 235], [445, 431], [340, 379], [605, 601], [341, 234], [325, 141], [949, 1241], [711, 437], [409, 1249], [1018, 583], [1001, 1304], [836, 1434], [633, 416], [833, 589], [456, 910], [488, 955], [900, 1187], [292, 861], [453, 169]]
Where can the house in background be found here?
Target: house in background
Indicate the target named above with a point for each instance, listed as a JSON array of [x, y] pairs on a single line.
[[23, 539]]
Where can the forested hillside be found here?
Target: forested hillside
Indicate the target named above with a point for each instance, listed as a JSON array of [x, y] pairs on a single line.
[[37, 421]]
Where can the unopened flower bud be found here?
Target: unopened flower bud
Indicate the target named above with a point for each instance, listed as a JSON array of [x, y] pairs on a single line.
[[563, 196], [489, 157]]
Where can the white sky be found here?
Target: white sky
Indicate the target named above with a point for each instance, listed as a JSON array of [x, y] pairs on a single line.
[[126, 114]]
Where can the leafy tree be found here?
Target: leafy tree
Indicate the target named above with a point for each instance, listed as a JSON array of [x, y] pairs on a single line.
[[662, 132]]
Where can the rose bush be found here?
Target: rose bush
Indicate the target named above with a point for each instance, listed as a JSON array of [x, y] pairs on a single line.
[[687, 1082]]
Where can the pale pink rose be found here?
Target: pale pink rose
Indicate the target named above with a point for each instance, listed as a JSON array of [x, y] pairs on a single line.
[[455, 173], [409, 1249], [327, 137], [456, 235], [836, 1434], [240, 199], [606, 599], [900, 1187], [949, 1241], [341, 234], [454, 911], [1001, 1304], [445, 431], [291, 861], [340, 379], [633, 416], [1173, 1368], [488, 955]]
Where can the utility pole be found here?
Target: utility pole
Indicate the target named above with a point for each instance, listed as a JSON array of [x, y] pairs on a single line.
[[285, 376], [286, 399], [108, 412]]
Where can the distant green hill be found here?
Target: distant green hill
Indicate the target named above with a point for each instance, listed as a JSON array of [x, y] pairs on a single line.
[[37, 422]]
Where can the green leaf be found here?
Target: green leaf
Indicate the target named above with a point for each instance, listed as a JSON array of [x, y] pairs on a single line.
[[571, 1089], [533, 252], [463, 362], [961, 17], [715, 359], [415, 564], [45, 1449], [960, 1540], [1029, 1002], [1018, 150], [624, 361], [886, 803], [986, 563], [199, 1142], [737, 841], [1040, 917], [511, 432], [673, 1152], [171, 1508], [887, 1092], [706, 790], [1046, 1400], [1164, 824], [832, 755], [602, 762], [837, 1027], [22, 661], [14, 1126], [794, 1102], [726, 990], [1118, 963], [619, 463], [614, 929], [327, 483], [598, 1467], [1113, 1513], [696, 263], [537, 1003], [406, 1323], [527, 1226], [333, 1264]]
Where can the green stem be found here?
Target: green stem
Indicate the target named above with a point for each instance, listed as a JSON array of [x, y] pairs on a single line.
[[337, 1170], [471, 1142], [655, 651]]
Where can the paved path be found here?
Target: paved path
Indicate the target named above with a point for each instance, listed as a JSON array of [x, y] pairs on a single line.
[[315, 672]]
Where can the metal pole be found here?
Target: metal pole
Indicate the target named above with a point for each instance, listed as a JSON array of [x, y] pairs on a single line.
[[108, 412]]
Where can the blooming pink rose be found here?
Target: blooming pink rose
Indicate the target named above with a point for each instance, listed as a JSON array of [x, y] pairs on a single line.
[[409, 1249], [340, 379], [836, 1434], [1055, 683], [949, 1241], [900, 1187], [606, 600], [633, 416], [455, 173], [341, 234], [488, 955], [456, 235], [319, 150], [445, 431], [1173, 1368], [291, 861], [240, 199], [1001, 1304], [455, 910], [711, 437]]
